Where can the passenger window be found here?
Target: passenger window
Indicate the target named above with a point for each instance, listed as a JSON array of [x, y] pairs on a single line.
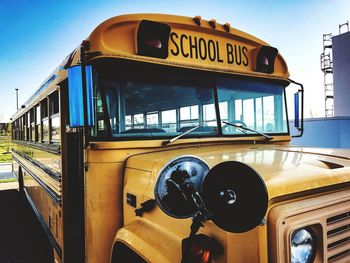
[[189, 116], [28, 126], [152, 120], [209, 115], [32, 126], [45, 121], [128, 122], [54, 118], [54, 106], [169, 120], [38, 123], [138, 121]]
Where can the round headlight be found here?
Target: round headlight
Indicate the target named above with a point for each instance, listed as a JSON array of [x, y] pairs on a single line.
[[177, 181], [303, 246]]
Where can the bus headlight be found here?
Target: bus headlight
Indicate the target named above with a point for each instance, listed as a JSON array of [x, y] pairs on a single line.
[[176, 183], [303, 246]]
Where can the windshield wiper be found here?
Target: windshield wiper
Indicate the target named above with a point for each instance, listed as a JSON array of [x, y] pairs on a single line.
[[179, 136], [248, 129]]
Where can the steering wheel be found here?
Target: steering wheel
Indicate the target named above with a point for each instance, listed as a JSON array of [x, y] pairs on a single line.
[[224, 127]]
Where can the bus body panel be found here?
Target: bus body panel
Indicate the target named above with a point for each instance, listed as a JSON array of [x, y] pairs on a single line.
[[103, 39], [45, 194]]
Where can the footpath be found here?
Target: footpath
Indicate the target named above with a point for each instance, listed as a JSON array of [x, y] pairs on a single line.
[[22, 239], [6, 174]]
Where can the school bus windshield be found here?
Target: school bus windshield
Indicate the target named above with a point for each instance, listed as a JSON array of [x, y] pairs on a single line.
[[162, 102]]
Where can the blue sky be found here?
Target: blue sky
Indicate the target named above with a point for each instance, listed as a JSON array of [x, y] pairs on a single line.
[[37, 35]]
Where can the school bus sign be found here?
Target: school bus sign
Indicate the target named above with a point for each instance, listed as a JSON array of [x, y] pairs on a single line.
[[208, 50]]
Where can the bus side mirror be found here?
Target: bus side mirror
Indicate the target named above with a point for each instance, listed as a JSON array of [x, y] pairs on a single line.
[[298, 109], [80, 99]]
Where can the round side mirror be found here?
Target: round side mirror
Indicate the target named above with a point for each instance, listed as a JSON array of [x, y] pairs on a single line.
[[235, 195]]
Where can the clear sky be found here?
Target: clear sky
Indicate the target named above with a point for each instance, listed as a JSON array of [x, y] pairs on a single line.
[[36, 35]]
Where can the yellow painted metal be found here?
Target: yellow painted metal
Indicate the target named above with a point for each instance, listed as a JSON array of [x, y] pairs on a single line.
[[286, 170], [24, 156], [116, 37], [50, 211], [278, 165], [103, 208]]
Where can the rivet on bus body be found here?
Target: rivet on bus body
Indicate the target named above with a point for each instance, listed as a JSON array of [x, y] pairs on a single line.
[[212, 23], [197, 20], [227, 27]]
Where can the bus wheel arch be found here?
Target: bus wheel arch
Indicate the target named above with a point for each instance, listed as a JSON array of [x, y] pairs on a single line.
[[123, 253]]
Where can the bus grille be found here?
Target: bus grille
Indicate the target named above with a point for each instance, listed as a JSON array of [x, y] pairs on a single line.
[[338, 238]]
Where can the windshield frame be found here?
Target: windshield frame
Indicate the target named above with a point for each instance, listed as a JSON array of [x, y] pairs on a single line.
[[213, 76]]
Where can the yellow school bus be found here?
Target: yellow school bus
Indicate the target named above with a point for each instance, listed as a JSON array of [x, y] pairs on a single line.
[[164, 138]]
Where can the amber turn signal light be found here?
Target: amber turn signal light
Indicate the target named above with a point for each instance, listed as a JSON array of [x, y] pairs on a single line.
[[200, 249]]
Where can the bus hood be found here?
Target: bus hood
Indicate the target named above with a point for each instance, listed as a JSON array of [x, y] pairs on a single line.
[[284, 169]]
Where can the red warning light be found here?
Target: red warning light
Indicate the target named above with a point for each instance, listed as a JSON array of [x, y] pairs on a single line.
[[152, 39], [265, 59]]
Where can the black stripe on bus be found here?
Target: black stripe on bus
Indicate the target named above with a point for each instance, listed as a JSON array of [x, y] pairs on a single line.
[[55, 197], [47, 230], [54, 175]]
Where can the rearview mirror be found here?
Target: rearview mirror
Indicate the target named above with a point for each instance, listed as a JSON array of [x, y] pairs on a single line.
[[80, 99], [298, 109]]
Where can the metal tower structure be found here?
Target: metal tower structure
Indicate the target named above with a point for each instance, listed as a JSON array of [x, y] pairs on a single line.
[[342, 25], [327, 69]]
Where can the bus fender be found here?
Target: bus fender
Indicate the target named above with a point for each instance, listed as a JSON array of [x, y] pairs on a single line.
[[148, 242]]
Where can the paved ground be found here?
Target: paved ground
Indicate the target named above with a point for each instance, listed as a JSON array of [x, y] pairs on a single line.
[[22, 239], [5, 171]]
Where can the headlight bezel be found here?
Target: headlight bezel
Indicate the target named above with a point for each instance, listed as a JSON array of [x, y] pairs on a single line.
[[309, 229], [168, 166]]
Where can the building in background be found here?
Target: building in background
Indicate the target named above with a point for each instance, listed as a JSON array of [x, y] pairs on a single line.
[[341, 74], [333, 131]]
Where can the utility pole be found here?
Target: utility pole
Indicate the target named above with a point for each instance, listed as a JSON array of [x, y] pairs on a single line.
[[17, 98]]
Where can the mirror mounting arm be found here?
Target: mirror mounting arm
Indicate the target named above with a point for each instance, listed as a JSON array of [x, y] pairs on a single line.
[[82, 60], [300, 91]]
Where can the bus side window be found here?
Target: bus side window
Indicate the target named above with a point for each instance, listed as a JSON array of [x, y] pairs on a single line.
[[152, 120], [189, 116], [38, 123], [99, 129], [54, 118], [24, 127], [138, 121], [169, 120], [224, 110], [45, 121], [111, 97], [209, 115], [128, 122], [32, 123], [28, 126]]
